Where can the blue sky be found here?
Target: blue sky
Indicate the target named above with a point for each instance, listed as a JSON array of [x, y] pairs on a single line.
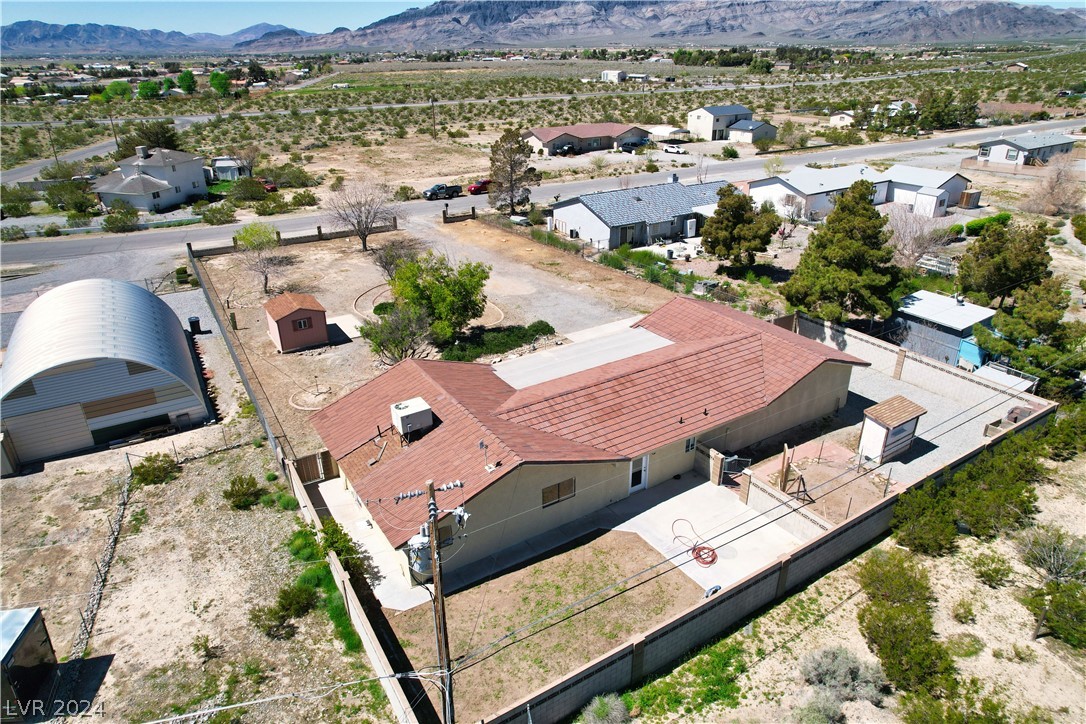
[[229, 16]]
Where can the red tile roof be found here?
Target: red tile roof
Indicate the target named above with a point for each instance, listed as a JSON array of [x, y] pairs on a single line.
[[723, 363], [290, 302], [583, 130]]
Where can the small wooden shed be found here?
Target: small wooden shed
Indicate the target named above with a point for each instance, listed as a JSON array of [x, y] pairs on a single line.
[[296, 321], [889, 429]]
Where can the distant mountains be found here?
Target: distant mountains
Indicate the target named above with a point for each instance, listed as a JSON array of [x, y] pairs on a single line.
[[557, 23], [30, 37]]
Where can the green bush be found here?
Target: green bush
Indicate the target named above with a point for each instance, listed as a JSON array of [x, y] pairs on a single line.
[[964, 645], [963, 612], [729, 152], [974, 227], [613, 260], [243, 492], [551, 239], [403, 192], [268, 500], [923, 521], [248, 189], [840, 672], [303, 545], [992, 569], [956, 229], [480, 342], [271, 205], [305, 197], [272, 622], [122, 218], [651, 167], [1066, 437], [382, 309], [1066, 614], [287, 501], [219, 214], [1078, 225], [296, 600], [996, 492], [535, 215], [155, 469], [605, 709], [12, 233], [77, 220], [271, 477], [288, 175], [50, 230]]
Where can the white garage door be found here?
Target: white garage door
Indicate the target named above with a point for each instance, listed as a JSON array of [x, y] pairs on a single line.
[[49, 432]]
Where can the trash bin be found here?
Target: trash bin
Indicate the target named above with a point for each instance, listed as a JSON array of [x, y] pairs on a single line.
[[194, 325]]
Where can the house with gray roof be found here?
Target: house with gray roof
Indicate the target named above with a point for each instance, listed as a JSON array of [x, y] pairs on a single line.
[[751, 131], [812, 191], [636, 216], [1027, 149], [712, 123], [154, 179]]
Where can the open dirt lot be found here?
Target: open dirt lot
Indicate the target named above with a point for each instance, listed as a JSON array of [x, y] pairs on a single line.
[[490, 610], [529, 281]]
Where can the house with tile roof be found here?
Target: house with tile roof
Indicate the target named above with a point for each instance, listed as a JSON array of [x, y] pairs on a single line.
[[584, 137], [1027, 149], [711, 123], [296, 321], [636, 216], [154, 179], [544, 439]]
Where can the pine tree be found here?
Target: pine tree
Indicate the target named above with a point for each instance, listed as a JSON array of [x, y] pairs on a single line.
[[510, 174], [847, 268], [1003, 259], [735, 230]]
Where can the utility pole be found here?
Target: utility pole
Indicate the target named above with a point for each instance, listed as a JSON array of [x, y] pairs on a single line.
[[49, 131], [433, 114], [444, 658]]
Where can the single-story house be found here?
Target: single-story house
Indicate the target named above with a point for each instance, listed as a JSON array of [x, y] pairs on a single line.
[[636, 216], [174, 93], [296, 321], [95, 361], [1027, 149], [1016, 67], [547, 438], [154, 179], [751, 131], [892, 108], [711, 123], [929, 191], [225, 168], [583, 136], [842, 119], [812, 190], [613, 76], [940, 327]]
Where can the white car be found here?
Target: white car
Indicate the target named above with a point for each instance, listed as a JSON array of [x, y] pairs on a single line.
[[674, 149]]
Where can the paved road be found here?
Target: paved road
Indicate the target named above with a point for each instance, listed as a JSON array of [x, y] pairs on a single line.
[[44, 251]]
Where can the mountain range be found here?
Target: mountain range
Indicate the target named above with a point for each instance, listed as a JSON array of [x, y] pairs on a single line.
[[450, 24]]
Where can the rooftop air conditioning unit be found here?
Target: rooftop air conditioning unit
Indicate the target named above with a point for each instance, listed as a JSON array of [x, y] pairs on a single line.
[[412, 415]]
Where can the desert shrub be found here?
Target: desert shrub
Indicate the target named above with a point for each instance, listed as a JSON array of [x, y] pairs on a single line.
[[267, 500], [535, 215], [613, 260], [1078, 225], [956, 229], [974, 227], [996, 492], [383, 308], [337, 183], [288, 175], [247, 188], [404, 192], [992, 569], [50, 230], [271, 205], [551, 239], [652, 167], [243, 492], [729, 152], [12, 233], [923, 521], [76, 220], [605, 709], [964, 645], [287, 501], [480, 342], [968, 704], [272, 622], [121, 218], [271, 477], [963, 612], [839, 671], [296, 600], [305, 197], [822, 708], [1065, 617], [1066, 437], [17, 200], [155, 469], [219, 214]]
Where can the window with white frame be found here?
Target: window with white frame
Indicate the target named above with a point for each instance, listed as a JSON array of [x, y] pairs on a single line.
[[1012, 154], [691, 443], [304, 323], [985, 151]]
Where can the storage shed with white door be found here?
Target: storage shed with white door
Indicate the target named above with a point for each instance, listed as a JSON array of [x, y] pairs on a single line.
[[92, 362]]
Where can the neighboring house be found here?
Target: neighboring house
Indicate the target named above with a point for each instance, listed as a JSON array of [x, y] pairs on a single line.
[[1017, 67], [892, 108], [154, 179], [751, 131], [929, 191], [296, 321], [226, 168], [613, 76], [940, 327], [95, 361], [174, 93], [1028, 149], [547, 438], [609, 219], [711, 123], [842, 119], [583, 136], [812, 190]]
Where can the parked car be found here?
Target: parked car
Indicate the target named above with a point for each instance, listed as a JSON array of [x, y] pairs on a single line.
[[672, 148], [520, 220], [629, 147], [479, 187], [441, 191], [269, 185], [567, 150]]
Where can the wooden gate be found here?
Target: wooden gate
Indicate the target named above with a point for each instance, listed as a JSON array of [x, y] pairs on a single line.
[[316, 467]]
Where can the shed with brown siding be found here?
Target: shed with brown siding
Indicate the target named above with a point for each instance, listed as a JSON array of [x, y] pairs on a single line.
[[296, 321]]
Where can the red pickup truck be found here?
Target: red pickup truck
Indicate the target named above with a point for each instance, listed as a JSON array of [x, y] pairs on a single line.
[[479, 187]]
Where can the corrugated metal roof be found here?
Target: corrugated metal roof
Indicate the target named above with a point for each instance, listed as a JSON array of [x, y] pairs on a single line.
[[932, 307], [650, 204], [1032, 141], [732, 110], [809, 180], [914, 176], [98, 319]]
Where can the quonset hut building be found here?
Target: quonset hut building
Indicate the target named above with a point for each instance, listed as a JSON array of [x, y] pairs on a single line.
[[91, 362]]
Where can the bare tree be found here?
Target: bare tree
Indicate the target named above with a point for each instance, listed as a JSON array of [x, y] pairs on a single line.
[[914, 236], [362, 207], [247, 157], [701, 168], [792, 216], [773, 166], [1059, 191], [1057, 557], [395, 252]]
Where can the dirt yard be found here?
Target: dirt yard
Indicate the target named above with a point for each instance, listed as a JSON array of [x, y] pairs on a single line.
[[490, 610]]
